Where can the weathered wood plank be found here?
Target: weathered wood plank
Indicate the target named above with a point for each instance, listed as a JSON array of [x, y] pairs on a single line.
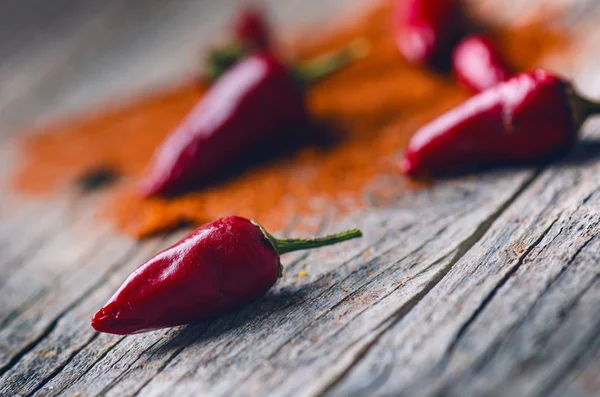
[[42, 278], [129, 47], [582, 379], [405, 295], [291, 327], [11, 259], [558, 329], [69, 332], [514, 288], [69, 341], [17, 311], [81, 361], [19, 238], [71, 372], [36, 37]]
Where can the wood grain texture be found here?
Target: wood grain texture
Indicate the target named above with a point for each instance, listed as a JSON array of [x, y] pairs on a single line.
[[516, 310], [483, 285], [120, 47]]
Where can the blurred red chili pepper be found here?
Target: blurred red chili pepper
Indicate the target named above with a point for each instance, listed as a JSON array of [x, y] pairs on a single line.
[[478, 64], [524, 119], [251, 27], [425, 30], [256, 99], [218, 267], [250, 32]]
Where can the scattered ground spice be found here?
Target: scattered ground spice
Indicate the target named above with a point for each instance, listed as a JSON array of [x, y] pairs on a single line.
[[372, 107]]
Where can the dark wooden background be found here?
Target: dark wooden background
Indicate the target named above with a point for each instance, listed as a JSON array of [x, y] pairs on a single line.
[[485, 285]]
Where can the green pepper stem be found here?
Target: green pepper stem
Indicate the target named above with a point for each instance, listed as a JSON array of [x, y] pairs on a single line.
[[222, 58], [322, 66], [219, 59], [283, 246], [589, 106], [582, 107]]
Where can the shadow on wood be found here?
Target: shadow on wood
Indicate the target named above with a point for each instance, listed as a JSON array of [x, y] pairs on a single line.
[[585, 152], [241, 319]]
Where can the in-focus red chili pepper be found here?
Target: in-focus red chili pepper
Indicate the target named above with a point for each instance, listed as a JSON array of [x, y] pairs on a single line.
[[425, 30], [524, 119], [478, 64], [250, 33], [256, 99], [218, 267]]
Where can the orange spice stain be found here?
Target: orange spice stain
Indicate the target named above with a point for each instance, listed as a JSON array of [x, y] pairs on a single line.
[[375, 105]]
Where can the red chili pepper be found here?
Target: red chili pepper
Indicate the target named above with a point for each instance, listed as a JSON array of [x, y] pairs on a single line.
[[218, 267], [251, 27], [253, 101], [250, 32], [426, 29], [524, 119], [478, 64]]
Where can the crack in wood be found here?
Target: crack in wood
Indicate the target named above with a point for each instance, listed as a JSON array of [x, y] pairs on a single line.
[[30, 346], [160, 369], [462, 249], [387, 324], [488, 298], [358, 255], [361, 288], [134, 250], [116, 380], [362, 350], [24, 306], [572, 364], [17, 311], [587, 356], [187, 344], [485, 224], [93, 364], [122, 262], [67, 222], [486, 355], [36, 244], [58, 369]]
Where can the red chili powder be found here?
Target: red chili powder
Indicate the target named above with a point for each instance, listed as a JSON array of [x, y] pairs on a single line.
[[373, 106]]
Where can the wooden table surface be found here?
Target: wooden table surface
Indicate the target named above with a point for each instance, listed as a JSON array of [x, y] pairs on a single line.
[[483, 285]]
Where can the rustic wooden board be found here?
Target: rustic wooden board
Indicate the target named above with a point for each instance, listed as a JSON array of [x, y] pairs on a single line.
[[487, 284]]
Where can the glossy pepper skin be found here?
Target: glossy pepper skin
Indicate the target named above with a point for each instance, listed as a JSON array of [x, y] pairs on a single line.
[[524, 119], [251, 102], [216, 268], [424, 30], [478, 64], [256, 100]]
